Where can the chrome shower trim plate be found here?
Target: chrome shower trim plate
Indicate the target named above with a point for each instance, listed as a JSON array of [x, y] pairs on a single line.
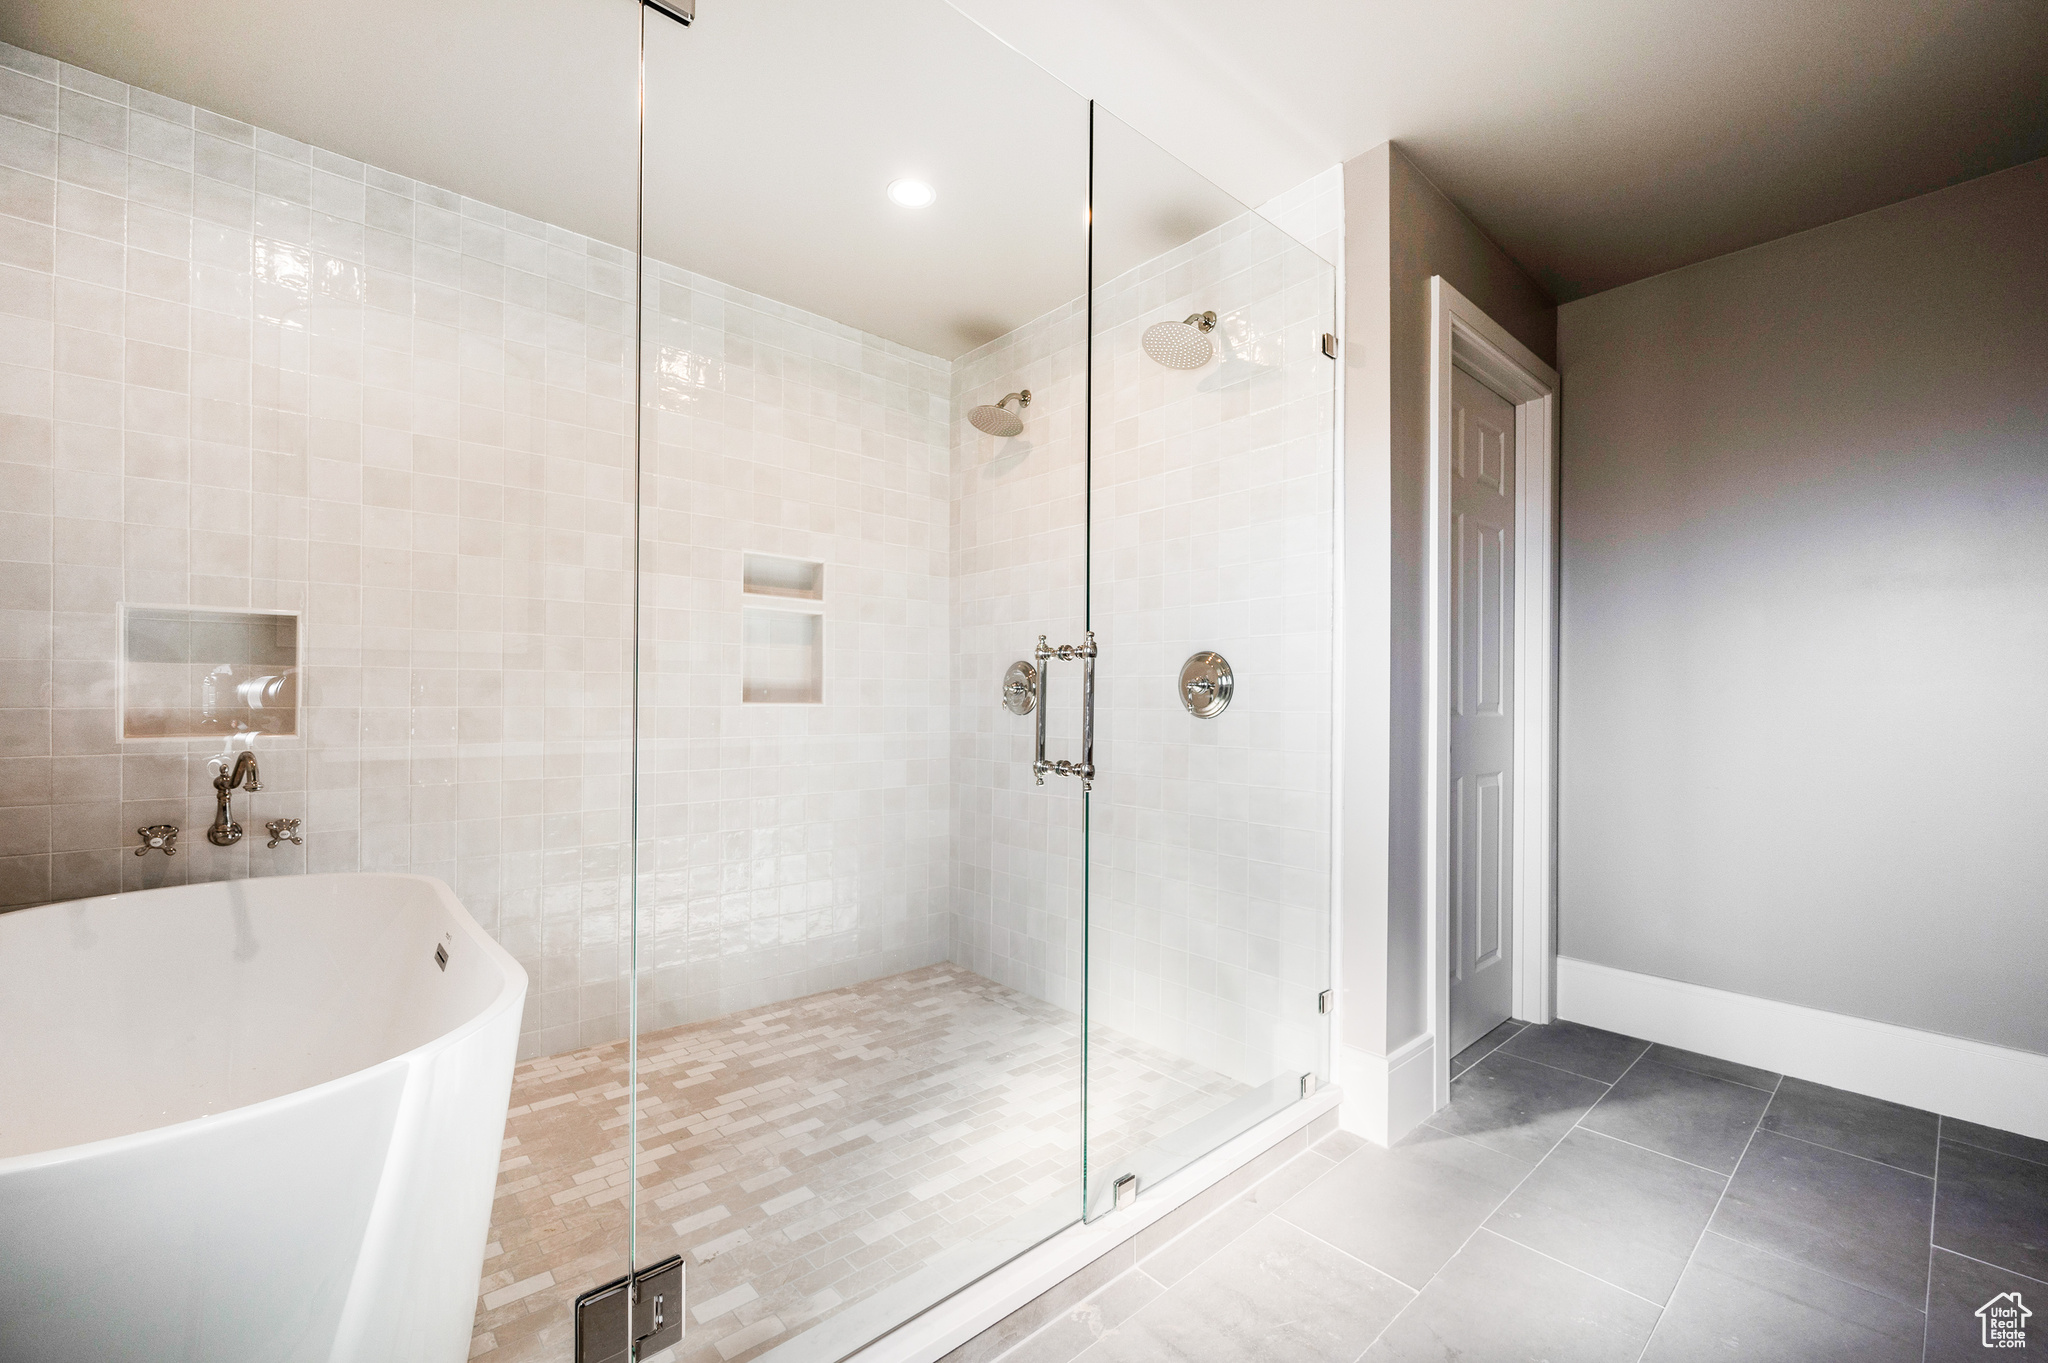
[[1206, 684]]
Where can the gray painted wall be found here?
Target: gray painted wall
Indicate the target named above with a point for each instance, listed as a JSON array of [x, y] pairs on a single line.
[[1399, 231], [1805, 618]]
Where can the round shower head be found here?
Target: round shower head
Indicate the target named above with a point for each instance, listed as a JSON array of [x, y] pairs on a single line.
[[1182, 345], [999, 420]]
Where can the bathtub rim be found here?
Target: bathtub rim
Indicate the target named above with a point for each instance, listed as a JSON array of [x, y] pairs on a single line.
[[511, 994]]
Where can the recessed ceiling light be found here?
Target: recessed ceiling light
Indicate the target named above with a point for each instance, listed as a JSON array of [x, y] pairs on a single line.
[[911, 193]]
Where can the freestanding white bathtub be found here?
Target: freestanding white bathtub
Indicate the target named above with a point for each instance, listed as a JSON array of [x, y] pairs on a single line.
[[250, 1122]]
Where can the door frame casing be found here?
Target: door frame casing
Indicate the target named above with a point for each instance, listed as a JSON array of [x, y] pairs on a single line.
[[1462, 335]]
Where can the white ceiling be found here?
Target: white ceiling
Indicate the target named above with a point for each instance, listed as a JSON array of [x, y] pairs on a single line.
[[771, 144], [774, 128], [1598, 140]]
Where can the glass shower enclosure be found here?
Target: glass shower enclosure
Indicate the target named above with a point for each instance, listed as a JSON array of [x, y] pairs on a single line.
[[981, 698]]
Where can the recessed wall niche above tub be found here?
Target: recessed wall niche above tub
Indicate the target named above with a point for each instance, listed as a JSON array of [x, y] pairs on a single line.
[[208, 673], [783, 650]]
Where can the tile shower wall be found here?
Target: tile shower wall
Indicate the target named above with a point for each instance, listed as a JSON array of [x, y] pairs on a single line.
[[1214, 504], [1019, 520], [238, 371], [1214, 512], [241, 371], [789, 848]]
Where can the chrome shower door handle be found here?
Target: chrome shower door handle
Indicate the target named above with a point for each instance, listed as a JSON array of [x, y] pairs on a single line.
[[1083, 653]]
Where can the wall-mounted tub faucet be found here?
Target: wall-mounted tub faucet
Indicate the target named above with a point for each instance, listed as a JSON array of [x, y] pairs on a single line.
[[225, 831]]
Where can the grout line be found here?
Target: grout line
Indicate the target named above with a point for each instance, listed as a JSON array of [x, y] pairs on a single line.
[[1817, 1272], [1594, 1131], [1933, 1208], [1505, 1197], [1992, 1149], [1610, 1083], [1559, 1069], [1573, 1267], [2028, 1277], [1717, 1078], [1489, 1050], [1138, 1264], [1706, 1226], [1375, 1269], [1885, 1164]]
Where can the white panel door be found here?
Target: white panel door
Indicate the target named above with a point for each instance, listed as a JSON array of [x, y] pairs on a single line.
[[1482, 708]]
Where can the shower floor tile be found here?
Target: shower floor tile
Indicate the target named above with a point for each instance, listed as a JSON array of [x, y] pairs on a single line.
[[804, 1155]]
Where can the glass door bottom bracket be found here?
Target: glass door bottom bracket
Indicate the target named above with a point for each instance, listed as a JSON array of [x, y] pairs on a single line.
[[632, 1317]]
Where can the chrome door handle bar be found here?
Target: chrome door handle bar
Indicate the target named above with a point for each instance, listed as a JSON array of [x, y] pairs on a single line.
[[1084, 653]]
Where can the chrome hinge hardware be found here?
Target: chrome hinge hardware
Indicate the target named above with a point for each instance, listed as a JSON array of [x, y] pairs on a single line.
[[1083, 653]]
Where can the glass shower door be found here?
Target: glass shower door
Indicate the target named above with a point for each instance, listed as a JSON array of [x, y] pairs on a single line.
[[862, 498], [1211, 488]]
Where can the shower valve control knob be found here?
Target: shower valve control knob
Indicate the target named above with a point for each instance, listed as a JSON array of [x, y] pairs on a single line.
[[284, 830], [158, 837]]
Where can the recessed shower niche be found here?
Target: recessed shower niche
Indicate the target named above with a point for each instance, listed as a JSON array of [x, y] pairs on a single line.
[[793, 578], [192, 673], [784, 649]]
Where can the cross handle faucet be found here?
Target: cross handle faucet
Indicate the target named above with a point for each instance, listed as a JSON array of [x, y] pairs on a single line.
[[225, 831]]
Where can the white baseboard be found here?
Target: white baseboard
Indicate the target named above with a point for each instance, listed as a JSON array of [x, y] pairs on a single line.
[[1973, 1080], [1387, 1096]]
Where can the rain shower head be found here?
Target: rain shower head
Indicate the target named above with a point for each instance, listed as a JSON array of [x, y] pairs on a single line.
[[1182, 345], [998, 420]]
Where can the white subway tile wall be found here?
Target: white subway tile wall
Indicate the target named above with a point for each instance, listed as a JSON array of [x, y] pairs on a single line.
[[1020, 539], [1213, 503], [248, 372], [793, 848], [239, 371]]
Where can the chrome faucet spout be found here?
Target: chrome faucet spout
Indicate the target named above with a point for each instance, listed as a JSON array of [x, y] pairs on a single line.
[[225, 831], [242, 774]]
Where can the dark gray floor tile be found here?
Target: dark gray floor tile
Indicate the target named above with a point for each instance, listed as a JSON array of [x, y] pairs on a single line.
[[1498, 1300], [1480, 1049], [1629, 1216], [1991, 1138], [1739, 1303], [1077, 1330], [1993, 1207], [1960, 1289], [1856, 1219], [1180, 1257], [1715, 1067], [1175, 1260], [1582, 1050], [1338, 1144], [1000, 1337], [1278, 1189], [1515, 1106], [1277, 1295], [1861, 1125], [1693, 1117], [1406, 1210]]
